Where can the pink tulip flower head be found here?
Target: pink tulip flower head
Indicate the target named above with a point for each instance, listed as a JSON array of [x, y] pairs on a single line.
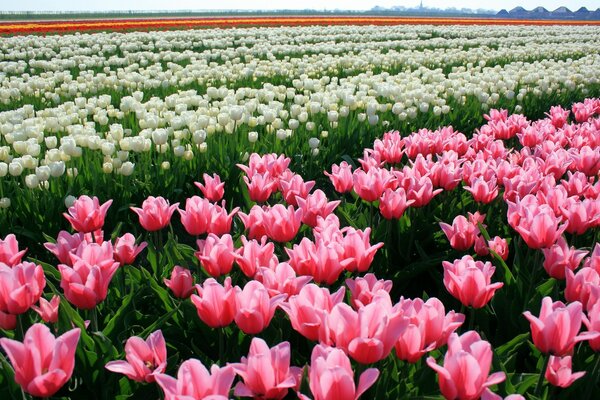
[[281, 280], [393, 203], [48, 310], [560, 373], [255, 308], [195, 382], [66, 244], [9, 251], [125, 249], [20, 287], [86, 285], [260, 186], [8, 321], [315, 205], [583, 286], [145, 358], [220, 221], [86, 214], [560, 256], [556, 331], [461, 234], [308, 311], [214, 303], [254, 222], [155, 213], [539, 227], [470, 281], [293, 187], [197, 215], [42, 362], [254, 254], [593, 325], [331, 376], [213, 189], [467, 363], [322, 261], [266, 372], [363, 290], [358, 252], [282, 224], [216, 254], [499, 246], [341, 177], [370, 185], [181, 282], [483, 190]]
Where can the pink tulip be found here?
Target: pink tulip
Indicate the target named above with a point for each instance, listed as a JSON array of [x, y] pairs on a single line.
[[48, 310], [65, 245], [331, 376], [559, 372], [362, 290], [393, 203], [7, 321], [216, 254], [556, 331], [308, 311], [20, 287], [539, 227], [255, 308], [155, 213], [125, 250], [271, 163], [281, 280], [583, 286], [294, 186], [145, 358], [467, 363], [9, 251], [358, 252], [560, 256], [315, 205], [95, 254], [370, 185], [470, 281], [254, 222], [499, 246], [369, 334], [220, 221], [483, 191], [429, 327], [282, 224], [181, 282], [214, 303], [42, 363], [196, 216], [86, 285], [254, 254], [461, 234], [194, 382], [260, 187], [322, 261], [593, 325], [341, 177], [420, 190], [213, 189], [86, 214], [558, 116], [266, 373], [390, 148]]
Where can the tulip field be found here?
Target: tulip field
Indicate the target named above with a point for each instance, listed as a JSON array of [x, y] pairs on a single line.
[[313, 212]]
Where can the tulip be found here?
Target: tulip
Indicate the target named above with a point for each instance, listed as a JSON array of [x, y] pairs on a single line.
[[95, 254], [461, 234], [369, 334], [363, 290], [464, 375], [213, 189], [281, 280], [86, 285], [216, 254], [220, 221], [155, 213], [48, 310], [266, 373], [254, 254], [260, 186], [341, 177], [181, 282], [194, 382], [125, 250], [315, 205], [484, 191], [556, 331], [470, 281], [293, 187], [370, 185], [255, 308], [20, 287], [308, 311], [7, 321], [214, 303], [583, 286], [393, 203], [331, 376], [254, 222], [282, 224], [539, 227], [65, 245], [145, 358], [499, 246], [42, 363], [196, 216], [322, 261], [9, 251], [559, 372], [560, 256], [86, 214], [358, 252], [593, 324]]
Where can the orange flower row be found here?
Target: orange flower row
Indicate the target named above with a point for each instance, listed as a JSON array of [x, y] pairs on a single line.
[[128, 24]]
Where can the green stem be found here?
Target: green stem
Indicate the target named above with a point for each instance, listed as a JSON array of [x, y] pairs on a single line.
[[94, 320], [20, 330], [593, 378], [221, 343], [538, 386], [471, 318]]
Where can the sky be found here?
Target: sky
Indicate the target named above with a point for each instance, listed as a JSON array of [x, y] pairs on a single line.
[[105, 5]]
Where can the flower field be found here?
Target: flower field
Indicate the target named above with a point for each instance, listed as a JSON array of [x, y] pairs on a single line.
[[314, 212]]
